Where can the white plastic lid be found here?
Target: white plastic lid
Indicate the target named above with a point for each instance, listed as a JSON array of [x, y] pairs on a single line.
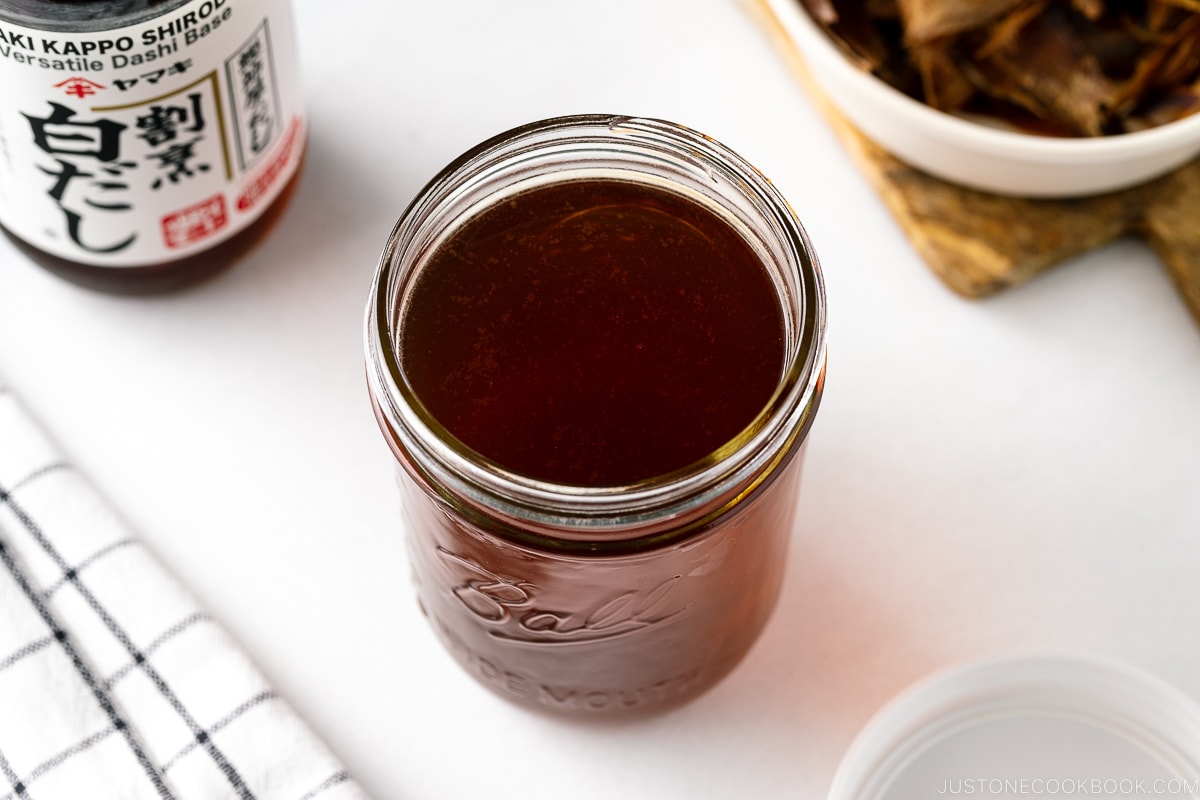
[[1039, 726]]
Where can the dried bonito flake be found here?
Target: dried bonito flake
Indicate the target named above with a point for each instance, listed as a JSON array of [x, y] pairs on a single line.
[[1056, 67]]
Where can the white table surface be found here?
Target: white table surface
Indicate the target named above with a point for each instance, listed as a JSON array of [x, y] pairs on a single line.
[[983, 476]]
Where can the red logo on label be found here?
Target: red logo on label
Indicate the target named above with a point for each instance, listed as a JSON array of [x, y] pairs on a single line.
[[78, 87], [257, 188], [196, 222]]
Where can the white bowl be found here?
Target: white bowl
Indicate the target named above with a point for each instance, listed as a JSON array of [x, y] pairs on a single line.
[[973, 154]]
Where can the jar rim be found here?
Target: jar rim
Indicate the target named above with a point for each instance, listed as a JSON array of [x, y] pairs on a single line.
[[597, 514]]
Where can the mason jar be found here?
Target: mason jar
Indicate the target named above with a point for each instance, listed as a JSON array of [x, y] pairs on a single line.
[[575, 587], [149, 143]]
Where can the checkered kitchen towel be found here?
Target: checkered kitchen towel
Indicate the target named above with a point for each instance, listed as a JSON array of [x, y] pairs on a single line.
[[114, 684]]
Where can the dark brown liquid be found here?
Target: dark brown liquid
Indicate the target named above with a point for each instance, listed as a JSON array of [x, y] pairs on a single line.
[[594, 333]]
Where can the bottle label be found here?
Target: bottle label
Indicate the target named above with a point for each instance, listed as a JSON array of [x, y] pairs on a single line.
[[152, 142]]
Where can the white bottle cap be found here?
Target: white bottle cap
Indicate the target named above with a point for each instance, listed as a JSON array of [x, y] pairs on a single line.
[[1036, 726]]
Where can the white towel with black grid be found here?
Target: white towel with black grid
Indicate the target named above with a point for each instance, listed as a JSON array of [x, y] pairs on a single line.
[[114, 683]]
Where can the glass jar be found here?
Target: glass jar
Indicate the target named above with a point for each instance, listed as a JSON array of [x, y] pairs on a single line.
[[149, 143], [600, 599]]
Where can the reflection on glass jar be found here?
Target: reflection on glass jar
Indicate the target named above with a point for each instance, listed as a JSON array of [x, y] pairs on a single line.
[[596, 346]]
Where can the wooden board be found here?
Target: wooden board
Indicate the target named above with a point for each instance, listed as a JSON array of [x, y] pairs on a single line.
[[980, 243]]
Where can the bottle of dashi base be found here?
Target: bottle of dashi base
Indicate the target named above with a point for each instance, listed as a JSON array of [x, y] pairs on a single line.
[[146, 144]]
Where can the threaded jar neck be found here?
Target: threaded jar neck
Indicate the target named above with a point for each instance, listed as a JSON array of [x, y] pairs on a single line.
[[651, 511]]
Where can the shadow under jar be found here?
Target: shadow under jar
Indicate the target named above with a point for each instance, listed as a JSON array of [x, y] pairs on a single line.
[[596, 346]]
